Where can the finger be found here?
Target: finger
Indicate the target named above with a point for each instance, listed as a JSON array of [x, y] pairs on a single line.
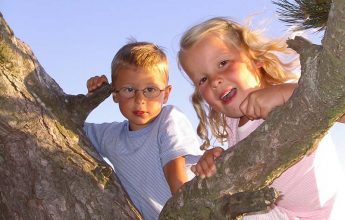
[[217, 152], [102, 79], [257, 112], [199, 169], [94, 83], [209, 166], [193, 169], [89, 83], [243, 106]]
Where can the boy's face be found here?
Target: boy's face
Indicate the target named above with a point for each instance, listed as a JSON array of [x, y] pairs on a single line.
[[140, 110]]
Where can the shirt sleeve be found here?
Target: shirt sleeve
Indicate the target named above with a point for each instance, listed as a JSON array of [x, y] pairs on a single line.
[[177, 137], [96, 134]]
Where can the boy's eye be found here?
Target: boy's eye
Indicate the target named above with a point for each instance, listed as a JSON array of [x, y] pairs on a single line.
[[128, 89], [202, 80], [150, 89]]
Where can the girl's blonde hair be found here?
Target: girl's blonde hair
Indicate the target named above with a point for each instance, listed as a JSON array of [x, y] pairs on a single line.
[[255, 47], [144, 55]]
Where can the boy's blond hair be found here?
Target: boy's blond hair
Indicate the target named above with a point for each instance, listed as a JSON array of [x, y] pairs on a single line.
[[144, 55], [255, 47]]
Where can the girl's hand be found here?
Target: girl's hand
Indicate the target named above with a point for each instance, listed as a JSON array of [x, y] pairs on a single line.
[[206, 166], [341, 119], [95, 82], [260, 103]]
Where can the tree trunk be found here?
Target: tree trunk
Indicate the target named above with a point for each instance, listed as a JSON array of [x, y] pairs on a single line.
[[284, 138], [48, 169]]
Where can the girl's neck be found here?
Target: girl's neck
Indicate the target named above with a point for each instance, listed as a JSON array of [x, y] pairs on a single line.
[[243, 121]]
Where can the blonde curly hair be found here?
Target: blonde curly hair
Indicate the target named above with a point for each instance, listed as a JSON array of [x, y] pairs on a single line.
[[255, 47]]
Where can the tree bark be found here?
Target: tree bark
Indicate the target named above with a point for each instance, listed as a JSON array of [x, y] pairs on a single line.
[[48, 169], [290, 131]]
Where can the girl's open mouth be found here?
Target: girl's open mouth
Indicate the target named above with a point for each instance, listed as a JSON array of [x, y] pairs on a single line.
[[226, 97]]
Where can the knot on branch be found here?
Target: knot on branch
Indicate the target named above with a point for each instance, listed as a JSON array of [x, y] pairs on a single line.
[[80, 106], [237, 204]]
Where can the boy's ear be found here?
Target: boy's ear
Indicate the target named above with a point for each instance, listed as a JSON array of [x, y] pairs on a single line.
[[166, 94], [115, 98]]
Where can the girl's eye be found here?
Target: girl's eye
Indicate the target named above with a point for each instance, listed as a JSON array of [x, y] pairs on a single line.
[[202, 80], [223, 63]]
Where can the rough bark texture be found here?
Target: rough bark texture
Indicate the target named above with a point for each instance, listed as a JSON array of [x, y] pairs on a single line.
[[48, 170], [289, 132]]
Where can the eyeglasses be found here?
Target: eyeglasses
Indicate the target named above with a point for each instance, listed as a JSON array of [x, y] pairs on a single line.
[[148, 92]]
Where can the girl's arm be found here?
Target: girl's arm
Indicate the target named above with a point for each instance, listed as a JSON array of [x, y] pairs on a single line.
[[175, 173], [260, 103]]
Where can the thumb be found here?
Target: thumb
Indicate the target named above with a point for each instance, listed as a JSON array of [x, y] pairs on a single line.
[[217, 152]]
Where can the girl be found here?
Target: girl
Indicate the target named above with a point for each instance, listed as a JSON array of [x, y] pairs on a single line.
[[234, 70]]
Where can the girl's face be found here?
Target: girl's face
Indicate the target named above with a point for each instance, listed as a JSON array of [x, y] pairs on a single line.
[[223, 75], [140, 110]]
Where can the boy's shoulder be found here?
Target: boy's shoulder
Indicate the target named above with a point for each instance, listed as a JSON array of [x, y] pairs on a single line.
[[171, 114], [107, 127], [171, 109]]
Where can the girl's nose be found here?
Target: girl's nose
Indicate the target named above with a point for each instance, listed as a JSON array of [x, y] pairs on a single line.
[[216, 82]]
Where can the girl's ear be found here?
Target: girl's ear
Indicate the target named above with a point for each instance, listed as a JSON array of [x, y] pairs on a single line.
[[258, 64], [166, 94], [115, 98]]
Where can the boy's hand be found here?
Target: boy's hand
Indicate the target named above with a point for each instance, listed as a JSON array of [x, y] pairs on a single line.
[[260, 103], [206, 166], [95, 82]]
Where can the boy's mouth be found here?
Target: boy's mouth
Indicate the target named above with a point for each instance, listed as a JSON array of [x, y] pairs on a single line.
[[139, 113], [227, 96]]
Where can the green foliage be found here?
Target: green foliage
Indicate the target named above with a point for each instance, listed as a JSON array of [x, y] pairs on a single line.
[[304, 14]]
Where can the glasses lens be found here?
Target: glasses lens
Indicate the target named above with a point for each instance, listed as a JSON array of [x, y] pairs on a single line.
[[151, 92], [127, 92]]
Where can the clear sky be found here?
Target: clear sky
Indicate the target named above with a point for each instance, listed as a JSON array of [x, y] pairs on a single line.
[[76, 39]]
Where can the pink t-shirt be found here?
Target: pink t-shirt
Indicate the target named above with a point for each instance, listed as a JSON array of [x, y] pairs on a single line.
[[309, 188]]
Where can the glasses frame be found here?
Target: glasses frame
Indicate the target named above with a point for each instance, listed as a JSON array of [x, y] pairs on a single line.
[[142, 90]]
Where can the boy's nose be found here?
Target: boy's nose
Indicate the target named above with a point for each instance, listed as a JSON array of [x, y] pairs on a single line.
[[139, 96]]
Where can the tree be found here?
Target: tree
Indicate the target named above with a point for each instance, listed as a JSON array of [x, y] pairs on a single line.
[[304, 14], [49, 170]]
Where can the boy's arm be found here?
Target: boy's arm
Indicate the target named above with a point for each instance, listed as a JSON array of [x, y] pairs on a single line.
[[175, 173], [260, 103]]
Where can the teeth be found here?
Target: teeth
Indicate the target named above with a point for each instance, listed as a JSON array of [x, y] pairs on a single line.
[[229, 94]]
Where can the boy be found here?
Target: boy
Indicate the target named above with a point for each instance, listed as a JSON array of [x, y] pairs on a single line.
[[150, 150]]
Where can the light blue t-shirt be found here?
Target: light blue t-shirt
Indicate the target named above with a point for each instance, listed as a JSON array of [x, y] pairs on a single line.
[[139, 156]]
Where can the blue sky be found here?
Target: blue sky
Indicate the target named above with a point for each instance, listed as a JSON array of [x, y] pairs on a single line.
[[74, 40]]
